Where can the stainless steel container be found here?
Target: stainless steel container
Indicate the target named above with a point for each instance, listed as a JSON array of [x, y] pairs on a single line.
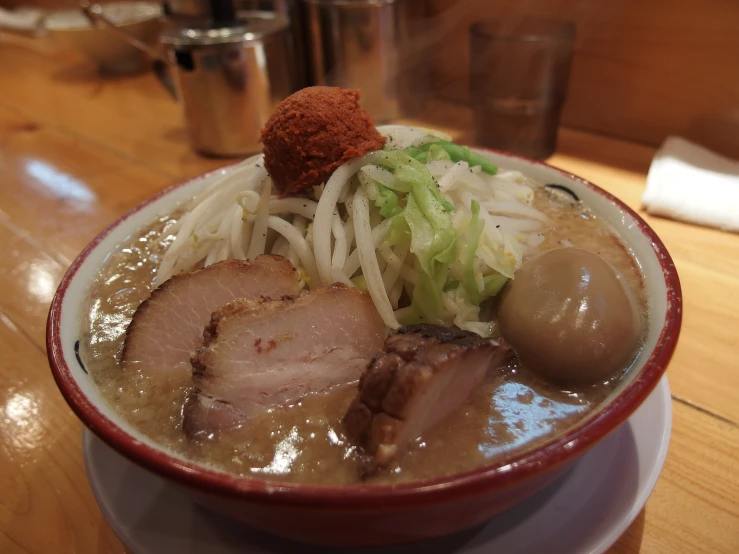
[[229, 80], [372, 45], [194, 11], [292, 11]]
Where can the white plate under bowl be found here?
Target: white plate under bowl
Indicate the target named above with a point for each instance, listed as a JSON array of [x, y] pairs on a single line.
[[585, 511]]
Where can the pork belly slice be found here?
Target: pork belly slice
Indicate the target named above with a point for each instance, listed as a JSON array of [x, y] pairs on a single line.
[[168, 326], [423, 374], [258, 354]]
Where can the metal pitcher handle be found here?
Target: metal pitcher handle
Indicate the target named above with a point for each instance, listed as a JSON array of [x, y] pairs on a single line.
[[94, 13], [164, 74]]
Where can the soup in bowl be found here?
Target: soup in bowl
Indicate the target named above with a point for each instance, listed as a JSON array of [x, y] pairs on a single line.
[[380, 348]]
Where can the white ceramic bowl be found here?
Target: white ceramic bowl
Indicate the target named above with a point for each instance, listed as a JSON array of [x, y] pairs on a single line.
[[382, 514], [102, 45]]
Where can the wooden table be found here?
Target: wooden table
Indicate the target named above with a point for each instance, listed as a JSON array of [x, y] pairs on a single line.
[[76, 151]]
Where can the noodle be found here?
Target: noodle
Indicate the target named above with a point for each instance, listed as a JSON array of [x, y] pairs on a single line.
[[324, 216], [378, 233], [394, 263], [340, 246], [296, 240], [259, 233], [302, 206], [368, 260], [201, 215]]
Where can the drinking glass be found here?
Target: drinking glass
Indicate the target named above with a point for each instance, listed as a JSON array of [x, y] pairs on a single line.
[[519, 70]]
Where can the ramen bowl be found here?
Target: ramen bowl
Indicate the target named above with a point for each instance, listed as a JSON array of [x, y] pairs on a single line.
[[364, 515]]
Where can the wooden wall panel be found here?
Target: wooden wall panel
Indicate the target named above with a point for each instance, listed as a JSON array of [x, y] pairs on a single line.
[[642, 69]]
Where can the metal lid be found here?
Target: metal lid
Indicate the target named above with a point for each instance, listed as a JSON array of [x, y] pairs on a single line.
[[251, 26]]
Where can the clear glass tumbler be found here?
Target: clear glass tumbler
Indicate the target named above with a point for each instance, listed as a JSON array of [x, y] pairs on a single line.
[[519, 71]]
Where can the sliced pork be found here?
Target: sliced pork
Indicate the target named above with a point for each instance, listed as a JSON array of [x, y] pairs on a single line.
[[257, 354], [424, 373], [168, 326]]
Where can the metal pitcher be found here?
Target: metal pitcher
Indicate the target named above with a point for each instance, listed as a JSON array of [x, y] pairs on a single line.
[[194, 12], [228, 80], [374, 46]]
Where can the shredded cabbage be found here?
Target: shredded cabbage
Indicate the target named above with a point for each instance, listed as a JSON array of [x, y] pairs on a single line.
[[432, 234], [472, 241], [445, 150], [492, 284]]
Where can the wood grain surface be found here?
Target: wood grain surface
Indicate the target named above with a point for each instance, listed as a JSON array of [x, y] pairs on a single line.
[[77, 150]]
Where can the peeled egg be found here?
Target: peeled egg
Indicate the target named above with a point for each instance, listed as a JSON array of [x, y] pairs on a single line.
[[570, 316]]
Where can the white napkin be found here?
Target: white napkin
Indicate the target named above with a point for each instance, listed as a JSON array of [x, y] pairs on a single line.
[[689, 182]]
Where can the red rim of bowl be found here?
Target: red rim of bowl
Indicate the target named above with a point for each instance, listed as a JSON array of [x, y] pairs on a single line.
[[504, 473]]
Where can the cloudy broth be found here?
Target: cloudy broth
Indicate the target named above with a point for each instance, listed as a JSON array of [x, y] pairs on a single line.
[[513, 412]]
